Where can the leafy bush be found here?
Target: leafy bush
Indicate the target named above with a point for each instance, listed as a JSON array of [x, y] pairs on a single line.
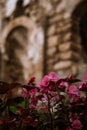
[[54, 104]]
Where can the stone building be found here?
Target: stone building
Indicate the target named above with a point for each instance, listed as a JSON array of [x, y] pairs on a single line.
[[39, 36]]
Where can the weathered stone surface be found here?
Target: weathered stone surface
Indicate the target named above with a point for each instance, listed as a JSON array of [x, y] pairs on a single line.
[[64, 46], [50, 62], [62, 65], [64, 22], [51, 51], [60, 7], [69, 55], [56, 58], [51, 13], [67, 36], [69, 45], [51, 30], [76, 56], [64, 28], [52, 41], [55, 19], [61, 38], [67, 15], [66, 55], [75, 69]]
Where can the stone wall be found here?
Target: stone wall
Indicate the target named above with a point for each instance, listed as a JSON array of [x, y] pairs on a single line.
[[53, 40], [63, 41]]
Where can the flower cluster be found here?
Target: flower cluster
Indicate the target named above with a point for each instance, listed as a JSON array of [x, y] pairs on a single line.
[[54, 104]]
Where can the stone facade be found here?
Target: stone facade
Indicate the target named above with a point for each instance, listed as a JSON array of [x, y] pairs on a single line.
[[43, 36]]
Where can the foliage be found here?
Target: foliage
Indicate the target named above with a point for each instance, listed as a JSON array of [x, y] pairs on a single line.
[[54, 104]]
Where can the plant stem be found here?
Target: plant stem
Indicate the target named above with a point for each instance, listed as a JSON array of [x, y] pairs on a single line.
[[50, 114], [20, 125]]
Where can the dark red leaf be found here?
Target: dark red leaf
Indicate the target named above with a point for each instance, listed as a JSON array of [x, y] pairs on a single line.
[[13, 85]]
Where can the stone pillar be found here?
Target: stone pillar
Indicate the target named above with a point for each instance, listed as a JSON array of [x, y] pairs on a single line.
[[62, 43]]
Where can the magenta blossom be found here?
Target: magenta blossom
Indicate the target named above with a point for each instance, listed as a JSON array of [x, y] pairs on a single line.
[[73, 93], [44, 98], [63, 85], [44, 84], [83, 86], [76, 124], [48, 82], [33, 98], [33, 103], [25, 93], [45, 81], [74, 98], [73, 90], [73, 117], [53, 77], [33, 92]]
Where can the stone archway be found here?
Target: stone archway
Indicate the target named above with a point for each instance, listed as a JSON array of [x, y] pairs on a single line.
[[28, 51], [15, 49], [83, 34], [79, 20]]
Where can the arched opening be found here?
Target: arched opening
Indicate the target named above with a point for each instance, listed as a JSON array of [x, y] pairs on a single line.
[[15, 48], [29, 40], [79, 20], [83, 33]]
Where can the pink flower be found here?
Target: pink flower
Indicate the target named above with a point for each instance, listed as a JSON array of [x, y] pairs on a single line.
[[44, 84], [53, 77], [45, 81], [73, 90], [83, 86], [62, 85], [73, 117], [74, 94], [45, 99], [33, 91], [33, 103], [54, 100], [74, 98], [25, 93], [33, 98], [48, 82], [76, 124]]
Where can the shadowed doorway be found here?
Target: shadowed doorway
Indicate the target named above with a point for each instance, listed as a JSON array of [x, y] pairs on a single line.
[[15, 48]]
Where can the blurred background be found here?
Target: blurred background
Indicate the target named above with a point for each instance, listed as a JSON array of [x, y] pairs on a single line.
[[40, 36]]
